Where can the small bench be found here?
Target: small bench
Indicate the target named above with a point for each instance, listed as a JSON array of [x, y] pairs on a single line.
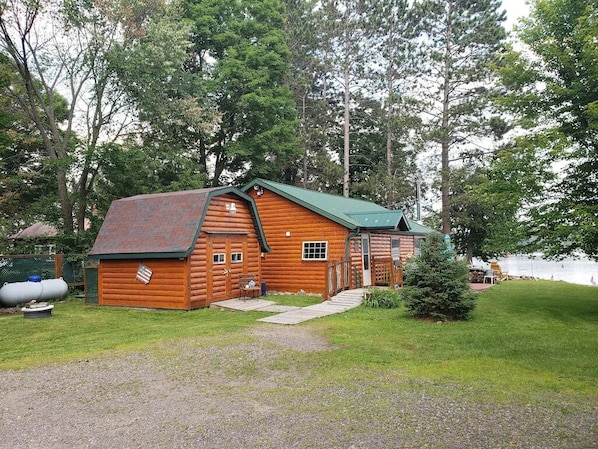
[[248, 287]]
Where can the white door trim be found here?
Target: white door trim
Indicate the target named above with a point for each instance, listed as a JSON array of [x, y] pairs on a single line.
[[366, 260]]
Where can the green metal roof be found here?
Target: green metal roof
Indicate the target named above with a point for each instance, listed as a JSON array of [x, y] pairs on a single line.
[[349, 212], [387, 219], [419, 229]]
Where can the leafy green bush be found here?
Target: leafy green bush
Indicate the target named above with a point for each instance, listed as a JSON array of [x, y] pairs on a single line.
[[437, 286], [384, 299]]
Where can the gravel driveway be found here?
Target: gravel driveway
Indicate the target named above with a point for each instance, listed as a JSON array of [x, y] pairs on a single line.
[[203, 394]]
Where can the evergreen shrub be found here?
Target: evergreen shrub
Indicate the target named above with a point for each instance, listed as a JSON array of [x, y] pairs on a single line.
[[436, 286]]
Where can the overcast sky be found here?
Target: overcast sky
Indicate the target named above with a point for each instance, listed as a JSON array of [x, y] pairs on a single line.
[[515, 9]]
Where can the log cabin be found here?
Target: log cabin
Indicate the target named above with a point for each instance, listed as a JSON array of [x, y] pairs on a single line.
[[322, 243], [180, 250]]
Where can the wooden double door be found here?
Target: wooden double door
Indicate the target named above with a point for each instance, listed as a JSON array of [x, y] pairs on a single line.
[[227, 260]]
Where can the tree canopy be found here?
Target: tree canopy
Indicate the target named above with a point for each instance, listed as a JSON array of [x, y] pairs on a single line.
[[463, 38], [551, 88], [240, 56], [102, 99]]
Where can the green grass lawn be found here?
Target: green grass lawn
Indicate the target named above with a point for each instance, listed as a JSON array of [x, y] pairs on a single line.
[[525, 340], [78, 331]]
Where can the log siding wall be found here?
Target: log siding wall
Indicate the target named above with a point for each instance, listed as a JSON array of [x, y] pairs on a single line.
[[223, 232], [283, 268], [117, 285], [406, 247], [380, 245], [284, 271]]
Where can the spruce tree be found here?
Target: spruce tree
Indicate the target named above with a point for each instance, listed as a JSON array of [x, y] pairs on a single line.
[[436, 285]]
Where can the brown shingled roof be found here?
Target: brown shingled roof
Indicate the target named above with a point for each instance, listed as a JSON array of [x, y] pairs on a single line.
[[158, 225], [36, 230]]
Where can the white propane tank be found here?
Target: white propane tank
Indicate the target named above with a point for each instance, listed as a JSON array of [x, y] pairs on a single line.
[[12, 294], [53, 289], [15, 293]]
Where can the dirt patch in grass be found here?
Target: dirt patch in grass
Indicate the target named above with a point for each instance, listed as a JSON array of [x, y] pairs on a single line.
[[9, 310], [259, 389], [298, 338]]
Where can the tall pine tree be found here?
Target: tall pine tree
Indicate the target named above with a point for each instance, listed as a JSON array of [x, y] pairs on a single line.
[[462, 40], [306, 75], [347, 27]]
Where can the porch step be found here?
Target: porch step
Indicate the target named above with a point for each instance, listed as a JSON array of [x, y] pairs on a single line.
[[340, 303]]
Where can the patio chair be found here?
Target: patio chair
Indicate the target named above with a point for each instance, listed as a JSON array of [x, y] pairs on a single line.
[[498, 273], [490, 276]]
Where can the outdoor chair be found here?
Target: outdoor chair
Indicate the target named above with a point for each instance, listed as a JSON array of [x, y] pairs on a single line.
[[248, 286], [490, 276], [498, 273]]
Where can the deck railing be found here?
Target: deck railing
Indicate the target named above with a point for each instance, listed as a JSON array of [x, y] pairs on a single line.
[[344, 276], [338, 278], [385, 272]]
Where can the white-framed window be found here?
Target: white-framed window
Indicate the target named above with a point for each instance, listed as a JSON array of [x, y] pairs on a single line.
[[236, 257], [219, 258], [315, 251]]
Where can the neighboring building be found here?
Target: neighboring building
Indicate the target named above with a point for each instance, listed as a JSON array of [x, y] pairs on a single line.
[[308, 230], [180, 250], [39, 236]]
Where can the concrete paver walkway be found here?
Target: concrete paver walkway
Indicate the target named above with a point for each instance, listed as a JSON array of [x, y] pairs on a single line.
[[343, 301], [294, 315], [242, 305], [477, 287]]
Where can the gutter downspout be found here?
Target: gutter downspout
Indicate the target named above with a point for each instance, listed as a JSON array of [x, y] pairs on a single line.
[[350, 235]]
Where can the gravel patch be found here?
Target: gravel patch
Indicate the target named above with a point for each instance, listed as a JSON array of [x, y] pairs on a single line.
[[200, 393], [298, 338]]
